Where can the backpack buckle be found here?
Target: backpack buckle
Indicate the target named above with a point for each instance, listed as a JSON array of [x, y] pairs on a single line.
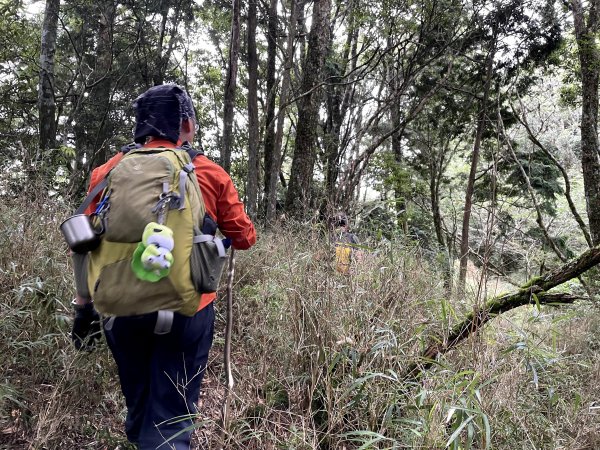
[[164, 322]]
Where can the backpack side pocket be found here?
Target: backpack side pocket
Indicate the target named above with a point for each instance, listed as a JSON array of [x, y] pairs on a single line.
[[207, 262]]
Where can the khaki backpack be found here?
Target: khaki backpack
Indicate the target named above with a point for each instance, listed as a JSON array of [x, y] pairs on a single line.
[[152, 185]]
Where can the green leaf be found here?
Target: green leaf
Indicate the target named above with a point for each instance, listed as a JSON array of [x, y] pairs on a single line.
[[456, 434]]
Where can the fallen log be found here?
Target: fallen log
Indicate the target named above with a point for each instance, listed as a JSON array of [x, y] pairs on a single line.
[[535, 291]]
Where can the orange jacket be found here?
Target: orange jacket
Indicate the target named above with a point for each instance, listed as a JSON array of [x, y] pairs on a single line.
[[221, 200]]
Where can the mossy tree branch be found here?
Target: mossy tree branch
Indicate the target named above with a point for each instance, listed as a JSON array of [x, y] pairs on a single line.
[[534, 291]]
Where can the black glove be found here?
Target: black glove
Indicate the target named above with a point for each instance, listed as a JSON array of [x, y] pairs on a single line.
[[86, 327]]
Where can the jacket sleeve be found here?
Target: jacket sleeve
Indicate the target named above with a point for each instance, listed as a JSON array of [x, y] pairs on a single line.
[[223, 203], [231, 217]]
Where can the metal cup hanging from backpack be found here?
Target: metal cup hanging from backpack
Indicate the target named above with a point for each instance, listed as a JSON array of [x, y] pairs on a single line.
[[83, 233]]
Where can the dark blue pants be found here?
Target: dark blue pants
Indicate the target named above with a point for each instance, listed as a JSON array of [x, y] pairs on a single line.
[[160, 375]]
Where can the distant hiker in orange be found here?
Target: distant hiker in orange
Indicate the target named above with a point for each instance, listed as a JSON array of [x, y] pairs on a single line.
[[151, 277], [345, 243]]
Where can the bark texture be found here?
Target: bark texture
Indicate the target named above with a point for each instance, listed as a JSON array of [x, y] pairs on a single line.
[[303, 162], [589, 58], [230, 87], [252, 186], [46, 95], [271, 94], [274, 169]]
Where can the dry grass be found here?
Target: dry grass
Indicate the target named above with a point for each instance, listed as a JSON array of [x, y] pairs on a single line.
[[317, 355]]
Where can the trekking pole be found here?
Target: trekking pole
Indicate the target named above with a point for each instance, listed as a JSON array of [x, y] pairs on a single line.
[[227, 351]]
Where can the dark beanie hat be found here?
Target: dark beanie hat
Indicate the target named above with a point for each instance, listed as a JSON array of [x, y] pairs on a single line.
[[159, 112]]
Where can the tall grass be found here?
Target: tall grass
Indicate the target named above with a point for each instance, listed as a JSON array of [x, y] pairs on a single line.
[[50, 395], [318, 356]]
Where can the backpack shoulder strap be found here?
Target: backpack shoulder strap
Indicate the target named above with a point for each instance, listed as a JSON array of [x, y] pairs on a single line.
[[103, 183], [92, 195], [192, 152]]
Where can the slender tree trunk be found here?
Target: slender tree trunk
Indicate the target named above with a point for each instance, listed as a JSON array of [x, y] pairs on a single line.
[[102, 92], [93, 129], [271, 197], [338, 102], [163, 55], [332, 136], [158, 75], [589, 57], [46, 95], [252, 187], [436, 171], [230, 87], [399, 194], [270, 110], [302, 31], [434, 195], [298, 195], [539, 217], [582, 226], [481, 121]]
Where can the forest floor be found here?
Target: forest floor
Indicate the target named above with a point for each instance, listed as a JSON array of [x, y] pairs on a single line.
[[317, 357]]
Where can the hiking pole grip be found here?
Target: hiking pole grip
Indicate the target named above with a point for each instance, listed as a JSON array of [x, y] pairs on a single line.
[[227, 350]]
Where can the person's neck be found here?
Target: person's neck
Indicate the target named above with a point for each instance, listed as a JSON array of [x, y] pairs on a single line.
[[161, 141]]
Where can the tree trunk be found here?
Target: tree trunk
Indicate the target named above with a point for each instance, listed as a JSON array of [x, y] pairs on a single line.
[[589, 57], [271, 197], [436, 171], [163, 56], [46, 99], [582, 226], [338, 96], [434, 195], [102, 92], [481, 121], [159, 76], [230, 87], [252, 187], [400, 190], [331, 138], [93, 129], [299, 195], [270, 110]]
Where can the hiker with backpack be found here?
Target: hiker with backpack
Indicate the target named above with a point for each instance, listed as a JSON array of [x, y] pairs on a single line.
[[153, 268]]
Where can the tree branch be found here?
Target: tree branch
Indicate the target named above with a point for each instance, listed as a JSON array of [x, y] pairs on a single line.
[[523, 120], [534, 291], [538, 211]]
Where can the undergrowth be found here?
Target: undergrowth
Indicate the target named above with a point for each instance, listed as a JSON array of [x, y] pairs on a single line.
[[318, 356]]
